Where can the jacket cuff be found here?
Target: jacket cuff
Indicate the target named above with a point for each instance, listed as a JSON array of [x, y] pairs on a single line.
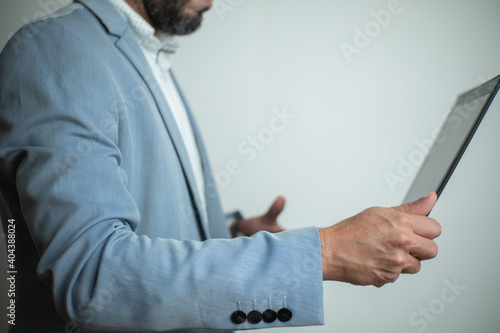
[[294, 296]]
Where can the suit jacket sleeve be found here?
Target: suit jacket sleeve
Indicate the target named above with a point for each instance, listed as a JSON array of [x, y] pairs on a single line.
[[65, 164]]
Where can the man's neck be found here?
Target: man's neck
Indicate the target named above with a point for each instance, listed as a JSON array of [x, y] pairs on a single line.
[[138, 6]]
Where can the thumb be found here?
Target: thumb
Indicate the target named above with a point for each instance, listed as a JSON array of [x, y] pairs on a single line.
[[275, 209], [422, 206]]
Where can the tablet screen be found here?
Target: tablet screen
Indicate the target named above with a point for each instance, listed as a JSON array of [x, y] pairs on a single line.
[[452, 140]]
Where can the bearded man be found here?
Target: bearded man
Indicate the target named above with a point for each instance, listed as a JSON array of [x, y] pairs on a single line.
[[118, 225]]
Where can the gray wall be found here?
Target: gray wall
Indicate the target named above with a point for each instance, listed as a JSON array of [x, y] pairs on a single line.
[[355, 119]]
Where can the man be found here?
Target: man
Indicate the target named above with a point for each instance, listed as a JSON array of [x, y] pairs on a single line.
[[118, 223]]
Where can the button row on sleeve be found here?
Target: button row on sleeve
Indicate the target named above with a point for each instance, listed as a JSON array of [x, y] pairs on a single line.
[[255, 317]]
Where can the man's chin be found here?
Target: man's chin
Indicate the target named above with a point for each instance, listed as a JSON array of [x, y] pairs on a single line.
[[182, 20]]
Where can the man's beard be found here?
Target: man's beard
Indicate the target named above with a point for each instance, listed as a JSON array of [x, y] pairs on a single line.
[[169, 16]]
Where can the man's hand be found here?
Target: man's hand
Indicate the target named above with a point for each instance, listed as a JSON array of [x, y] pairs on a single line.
[[266, 222], [377, 245]]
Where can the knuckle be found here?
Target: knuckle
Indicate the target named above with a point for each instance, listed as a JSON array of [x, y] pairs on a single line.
[[400, 241], [374, 211], [399, 220], [404, 219], [403, 240], [378, 209], [398, 260]]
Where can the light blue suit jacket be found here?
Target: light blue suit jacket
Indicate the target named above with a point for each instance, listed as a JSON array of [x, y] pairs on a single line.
[[108, 232]]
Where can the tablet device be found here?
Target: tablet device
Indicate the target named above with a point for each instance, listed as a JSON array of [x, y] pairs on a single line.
[[452, 140]]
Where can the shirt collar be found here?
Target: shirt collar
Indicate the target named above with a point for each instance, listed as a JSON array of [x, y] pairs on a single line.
[[163, 47]]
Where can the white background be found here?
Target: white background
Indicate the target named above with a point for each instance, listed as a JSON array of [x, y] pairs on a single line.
[[354, 123]]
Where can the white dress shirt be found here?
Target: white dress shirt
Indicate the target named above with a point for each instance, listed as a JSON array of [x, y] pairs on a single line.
[[159, 52]]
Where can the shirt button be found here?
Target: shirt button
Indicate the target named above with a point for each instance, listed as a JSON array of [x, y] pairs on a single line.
[[284, 314], [269, 316], [238, 317], [254, 317]]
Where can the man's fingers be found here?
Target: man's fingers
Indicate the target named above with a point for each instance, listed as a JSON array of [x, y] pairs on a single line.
[[417, 213], [413, 267], [423, 249], [426, 227], [275, 209], [421, 206]]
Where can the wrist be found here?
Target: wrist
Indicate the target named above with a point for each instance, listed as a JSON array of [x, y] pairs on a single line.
[[323, 252], [235, 226], [330, 264]]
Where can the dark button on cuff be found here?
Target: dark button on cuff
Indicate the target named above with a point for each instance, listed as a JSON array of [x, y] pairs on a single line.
[[254, 317], [269, 316], [284, 315], [238, 317]]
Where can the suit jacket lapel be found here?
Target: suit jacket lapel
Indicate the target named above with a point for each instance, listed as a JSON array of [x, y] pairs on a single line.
[[129, 46]]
